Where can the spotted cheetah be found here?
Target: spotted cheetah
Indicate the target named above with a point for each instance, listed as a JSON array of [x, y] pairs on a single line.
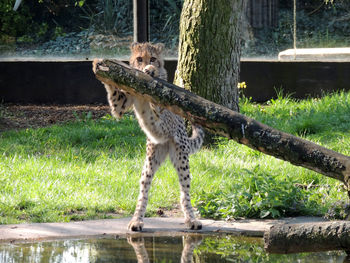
[[165, 131]]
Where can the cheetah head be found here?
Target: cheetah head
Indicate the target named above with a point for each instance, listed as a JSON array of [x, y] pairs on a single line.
[[145, 54]]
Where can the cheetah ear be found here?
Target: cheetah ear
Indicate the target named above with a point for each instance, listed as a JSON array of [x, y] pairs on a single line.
[[133, 45], [159, 47]]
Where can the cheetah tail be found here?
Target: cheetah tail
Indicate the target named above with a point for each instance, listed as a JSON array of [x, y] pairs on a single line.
[[196, 139]]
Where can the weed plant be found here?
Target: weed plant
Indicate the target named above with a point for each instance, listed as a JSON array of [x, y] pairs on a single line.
[[91, 168]]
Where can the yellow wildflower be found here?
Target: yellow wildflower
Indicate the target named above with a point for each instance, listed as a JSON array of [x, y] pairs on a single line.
[[242, 85]]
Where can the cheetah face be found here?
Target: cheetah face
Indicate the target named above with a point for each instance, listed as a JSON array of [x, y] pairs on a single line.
[[144, 55]]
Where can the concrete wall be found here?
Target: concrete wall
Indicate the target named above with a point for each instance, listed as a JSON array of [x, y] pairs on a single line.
[[56, 82]]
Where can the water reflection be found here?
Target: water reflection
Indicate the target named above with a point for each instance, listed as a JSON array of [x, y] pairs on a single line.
[[184, 249], [190, 243]]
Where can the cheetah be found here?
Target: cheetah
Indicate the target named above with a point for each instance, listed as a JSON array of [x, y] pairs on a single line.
[[165, 131]]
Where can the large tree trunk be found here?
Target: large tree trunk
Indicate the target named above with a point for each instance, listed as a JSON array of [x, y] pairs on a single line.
[[310, 237], [223, 121], [209, 49]]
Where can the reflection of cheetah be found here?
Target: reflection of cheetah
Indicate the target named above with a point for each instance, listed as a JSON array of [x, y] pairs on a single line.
[[166, 134], [190, 243]]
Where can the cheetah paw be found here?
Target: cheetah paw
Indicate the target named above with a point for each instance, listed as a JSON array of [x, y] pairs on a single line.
[[95, 64], [151, 70], [193, 224], [135, 225]]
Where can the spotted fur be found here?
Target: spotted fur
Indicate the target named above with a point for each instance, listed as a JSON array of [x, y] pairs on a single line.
[[165, 131]]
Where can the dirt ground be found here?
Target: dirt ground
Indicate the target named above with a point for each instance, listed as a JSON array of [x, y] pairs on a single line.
[[15, 117]]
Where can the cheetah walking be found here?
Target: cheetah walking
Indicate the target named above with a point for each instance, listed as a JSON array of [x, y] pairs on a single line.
[[165, 131]]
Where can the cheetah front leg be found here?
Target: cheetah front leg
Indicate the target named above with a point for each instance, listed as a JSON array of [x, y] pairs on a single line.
[[118, 100], [156, 154], [180, 160]]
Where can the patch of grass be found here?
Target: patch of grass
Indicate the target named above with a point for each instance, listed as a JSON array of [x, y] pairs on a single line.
[[250, 184], [256, 185], [90, 169], [47, 173], [324, 120]]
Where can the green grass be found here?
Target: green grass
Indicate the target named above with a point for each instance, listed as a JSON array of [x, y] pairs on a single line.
[[90, 169]]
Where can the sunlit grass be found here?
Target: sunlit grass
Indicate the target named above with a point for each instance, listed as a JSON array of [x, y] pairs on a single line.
[[90, 169]]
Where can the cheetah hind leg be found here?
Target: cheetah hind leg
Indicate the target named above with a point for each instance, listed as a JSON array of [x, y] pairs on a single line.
[[181, 163], [156, 154]]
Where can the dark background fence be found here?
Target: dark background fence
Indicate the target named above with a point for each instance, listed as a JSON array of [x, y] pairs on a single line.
[[73, 82]]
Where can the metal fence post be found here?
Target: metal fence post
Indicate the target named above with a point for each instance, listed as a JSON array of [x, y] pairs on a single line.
[[141, 20]]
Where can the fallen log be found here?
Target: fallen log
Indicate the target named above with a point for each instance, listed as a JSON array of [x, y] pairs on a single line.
[[309, 237], [225, 122]]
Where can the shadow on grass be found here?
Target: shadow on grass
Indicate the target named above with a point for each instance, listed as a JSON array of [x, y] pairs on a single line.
[[85, 139]]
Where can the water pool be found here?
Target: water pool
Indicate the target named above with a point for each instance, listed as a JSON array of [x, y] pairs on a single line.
[[187, 248]]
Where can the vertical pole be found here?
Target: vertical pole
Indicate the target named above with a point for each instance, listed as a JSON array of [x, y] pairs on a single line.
[[295, 28], [141, 20]]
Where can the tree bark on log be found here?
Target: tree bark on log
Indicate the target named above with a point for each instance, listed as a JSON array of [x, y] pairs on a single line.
[[310, 237], [225, 122]]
